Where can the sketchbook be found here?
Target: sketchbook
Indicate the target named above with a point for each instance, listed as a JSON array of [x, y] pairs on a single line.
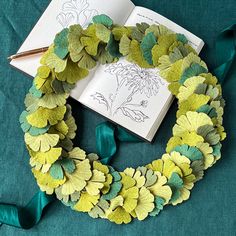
[[134, 98]]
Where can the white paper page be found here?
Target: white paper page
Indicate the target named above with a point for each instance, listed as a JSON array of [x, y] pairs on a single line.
[[61, 14], [129, 95]]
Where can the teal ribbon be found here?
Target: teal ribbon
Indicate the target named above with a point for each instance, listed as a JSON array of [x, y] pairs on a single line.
[[107, 136], [25, 217], [225, 52]]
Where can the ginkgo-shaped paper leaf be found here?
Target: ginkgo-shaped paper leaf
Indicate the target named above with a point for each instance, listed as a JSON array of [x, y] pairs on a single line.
[[85, 61], [190, 59], [103, 33], [60, 128], [67, 198], [77, 154], [86, 202], [130, 198], [136, 175], [189, 87], [72, 73], [43, 72], [115, 187], [35, 92], [207, 151], [145, 203], [164, 42], [192, 153], [165, 167], [120, 31], [176, 184], [103, 19], [119, 216], [221, 131], [75, 46], [194, 102], [190, 122], [198, 169], [105, 170], [146, 45], [70, 122], [188, 178], [52, 100], [90, 41], [99, 209], [103, 56], [136, 56], [26, 127], [53, 61], [171, 72], [44, 116], [189, 138], [193, 70], [61, 44], [113, 47], [124, 46], [158, 30], [47, 180], [150, 176], [41, 143], [160, 188], [159, 203], [209, 110], [179, 160], [210, 134], [96, 183], [129, 192], [210, 79], [78, 179], [44, 85], [48, 157]]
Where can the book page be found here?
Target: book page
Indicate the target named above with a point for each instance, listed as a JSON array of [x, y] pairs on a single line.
[[61, 14], [133, 97]]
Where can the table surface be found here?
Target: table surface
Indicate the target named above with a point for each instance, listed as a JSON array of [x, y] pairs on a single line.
[[212, 208]]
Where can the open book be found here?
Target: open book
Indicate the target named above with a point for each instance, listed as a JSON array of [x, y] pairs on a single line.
[[126, 94]]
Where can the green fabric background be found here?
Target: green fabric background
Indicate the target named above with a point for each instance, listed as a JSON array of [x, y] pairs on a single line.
[[212, 208]]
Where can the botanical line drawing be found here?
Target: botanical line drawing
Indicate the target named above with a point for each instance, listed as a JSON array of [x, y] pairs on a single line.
[[76, 12], [134, 80]]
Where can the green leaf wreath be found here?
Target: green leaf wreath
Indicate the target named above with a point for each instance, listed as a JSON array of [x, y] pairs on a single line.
[[80, 180]]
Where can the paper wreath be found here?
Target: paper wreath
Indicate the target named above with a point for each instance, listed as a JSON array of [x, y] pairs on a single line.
[[80, 180]]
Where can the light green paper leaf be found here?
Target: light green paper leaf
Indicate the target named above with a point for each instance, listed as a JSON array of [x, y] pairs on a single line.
[[103, 33], [75, 46], [124, 45], [26, 127], [52, 100], [72, 73], [85, 61]]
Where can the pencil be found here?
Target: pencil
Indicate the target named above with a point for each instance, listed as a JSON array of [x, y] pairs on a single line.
[[28, 53]]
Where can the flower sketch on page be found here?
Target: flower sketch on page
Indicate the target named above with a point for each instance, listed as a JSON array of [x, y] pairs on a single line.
[[132, 92], [76, 12]]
